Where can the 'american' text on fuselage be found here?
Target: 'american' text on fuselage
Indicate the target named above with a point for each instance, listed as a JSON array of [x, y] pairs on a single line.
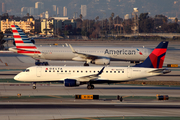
[[120, 52]]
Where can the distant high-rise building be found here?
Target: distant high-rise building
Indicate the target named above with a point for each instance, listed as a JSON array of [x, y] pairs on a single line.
[[39, 7], [54, 9], [24, 10], [57, 10], [84, 10], [64, 11], [3, 8], [30, 10]]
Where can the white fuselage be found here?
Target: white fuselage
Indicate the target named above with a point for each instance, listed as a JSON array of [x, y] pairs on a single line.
[[60, 73], [65, 53]]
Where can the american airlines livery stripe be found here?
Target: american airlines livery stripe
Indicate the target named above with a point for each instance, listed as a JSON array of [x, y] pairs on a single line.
[[23, 44]]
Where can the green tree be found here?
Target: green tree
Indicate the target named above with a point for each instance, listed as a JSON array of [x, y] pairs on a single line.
[[146, 24]]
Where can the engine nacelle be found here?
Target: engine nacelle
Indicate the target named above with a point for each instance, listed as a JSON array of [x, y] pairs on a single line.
[[103, 61], [71, 83]]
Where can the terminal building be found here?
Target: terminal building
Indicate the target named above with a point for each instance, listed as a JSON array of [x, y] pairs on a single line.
[[25, 25]]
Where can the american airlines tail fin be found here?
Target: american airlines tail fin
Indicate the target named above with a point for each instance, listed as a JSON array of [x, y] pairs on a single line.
[[156, 58], [22, 42]]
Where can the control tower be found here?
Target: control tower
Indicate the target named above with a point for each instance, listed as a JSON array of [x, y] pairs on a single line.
[[135, 21]]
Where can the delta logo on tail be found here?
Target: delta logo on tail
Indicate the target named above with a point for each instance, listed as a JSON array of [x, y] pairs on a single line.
[[23, 44], [156, 58]]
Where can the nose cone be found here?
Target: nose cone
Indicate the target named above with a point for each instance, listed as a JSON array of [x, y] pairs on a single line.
[[16, 77]]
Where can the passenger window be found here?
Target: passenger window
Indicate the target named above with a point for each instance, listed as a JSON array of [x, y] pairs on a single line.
[[61, 70], [45, 70], [81, 71], [77, 71], [94, 71], [114, 71], [110, 71], [118, 71], [65, 71], [69, 71], [106, 71], [122, 71], [27, 70], [49, 71], [58, 71]]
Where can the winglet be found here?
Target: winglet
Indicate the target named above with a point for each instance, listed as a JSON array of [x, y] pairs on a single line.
[[100, 72], [72, 48]]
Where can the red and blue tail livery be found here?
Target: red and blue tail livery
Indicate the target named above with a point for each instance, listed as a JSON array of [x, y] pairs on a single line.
[[156, 58], [23, 43]]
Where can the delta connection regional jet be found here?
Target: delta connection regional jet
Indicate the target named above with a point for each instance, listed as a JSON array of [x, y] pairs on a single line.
[[73, 76], [94, 55]]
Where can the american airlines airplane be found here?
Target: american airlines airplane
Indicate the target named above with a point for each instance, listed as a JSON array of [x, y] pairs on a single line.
[[74, 76], [94, 55]]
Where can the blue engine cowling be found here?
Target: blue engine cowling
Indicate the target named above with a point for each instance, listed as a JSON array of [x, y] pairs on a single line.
[[71, 83]]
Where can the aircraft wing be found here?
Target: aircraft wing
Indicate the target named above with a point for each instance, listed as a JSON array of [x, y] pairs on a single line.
[[83, 55], [90, 77]]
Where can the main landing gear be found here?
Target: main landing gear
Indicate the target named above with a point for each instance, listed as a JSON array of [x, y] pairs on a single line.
[[89, 86], [41, 63], [86, 64], [34, 85]]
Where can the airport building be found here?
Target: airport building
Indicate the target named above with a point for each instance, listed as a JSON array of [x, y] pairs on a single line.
[[25, 25], [58, 23]]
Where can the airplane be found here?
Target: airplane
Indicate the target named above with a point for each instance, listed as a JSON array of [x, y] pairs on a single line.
[[94, 55], [73, 76]]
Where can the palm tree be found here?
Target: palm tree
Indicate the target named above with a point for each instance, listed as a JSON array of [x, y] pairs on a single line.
[[176, 20], [80, 16]]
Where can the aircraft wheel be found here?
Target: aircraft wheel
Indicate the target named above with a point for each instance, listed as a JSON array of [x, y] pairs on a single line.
[[46, 63], [92, 86], [34, 87], [89, 87]]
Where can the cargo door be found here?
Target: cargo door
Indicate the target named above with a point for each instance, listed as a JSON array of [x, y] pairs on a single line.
[[38, 71]]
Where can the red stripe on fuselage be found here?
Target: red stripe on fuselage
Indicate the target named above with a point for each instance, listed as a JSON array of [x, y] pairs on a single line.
[[28, 47], [30, 52]]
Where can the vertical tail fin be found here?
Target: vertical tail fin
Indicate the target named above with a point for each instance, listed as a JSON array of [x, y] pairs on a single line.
[[156, 58], [22, 42]]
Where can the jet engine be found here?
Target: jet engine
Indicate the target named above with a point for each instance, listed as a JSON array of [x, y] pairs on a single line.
[[103, 61], [71, 83]]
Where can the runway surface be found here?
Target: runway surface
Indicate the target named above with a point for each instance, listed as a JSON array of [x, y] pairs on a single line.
[[35, 104]]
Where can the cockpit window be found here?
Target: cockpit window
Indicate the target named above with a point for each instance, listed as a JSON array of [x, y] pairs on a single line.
[[27, 70]]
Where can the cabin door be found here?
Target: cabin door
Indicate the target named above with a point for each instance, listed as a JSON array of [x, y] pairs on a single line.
[[129, 72], [38, 71]]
